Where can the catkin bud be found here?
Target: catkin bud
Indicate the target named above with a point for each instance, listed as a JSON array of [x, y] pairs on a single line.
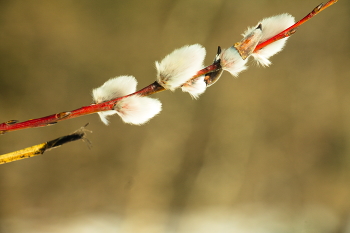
[[134, 109], [231, 61], [195, 87], [137, 110], [270, 27], [180, 66]]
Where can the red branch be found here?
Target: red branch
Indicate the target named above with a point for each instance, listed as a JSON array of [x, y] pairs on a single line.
[[14, 125], [153, 88], [292, 29]]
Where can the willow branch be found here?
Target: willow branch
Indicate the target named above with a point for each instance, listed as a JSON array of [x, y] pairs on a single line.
[[211, 73]]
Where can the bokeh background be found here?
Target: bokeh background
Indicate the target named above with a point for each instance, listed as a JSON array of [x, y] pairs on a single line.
[[267, 152]]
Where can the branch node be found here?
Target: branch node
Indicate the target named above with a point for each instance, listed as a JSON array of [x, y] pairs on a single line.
[[11, 122], [317, 9], [291, 32], [62, 115]]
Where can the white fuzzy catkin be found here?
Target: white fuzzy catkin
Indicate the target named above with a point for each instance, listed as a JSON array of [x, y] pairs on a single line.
[[270, 27], [231, 61], [105, 114], [134, 109], [180, 66], [195, 87], [113, 88], [138, 110]]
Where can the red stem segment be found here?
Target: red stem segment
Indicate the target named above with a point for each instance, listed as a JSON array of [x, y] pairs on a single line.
[[292, 29], [54, 118]]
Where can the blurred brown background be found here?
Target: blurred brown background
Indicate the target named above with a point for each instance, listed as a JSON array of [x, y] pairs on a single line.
[[267, 152]]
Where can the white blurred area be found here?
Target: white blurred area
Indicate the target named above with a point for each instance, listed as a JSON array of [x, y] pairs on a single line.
[[250, 218]]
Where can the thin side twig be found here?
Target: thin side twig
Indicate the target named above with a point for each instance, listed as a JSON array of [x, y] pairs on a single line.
[[43, 147]]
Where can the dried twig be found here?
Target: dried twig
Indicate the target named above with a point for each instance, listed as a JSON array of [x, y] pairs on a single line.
[[43, 147]]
